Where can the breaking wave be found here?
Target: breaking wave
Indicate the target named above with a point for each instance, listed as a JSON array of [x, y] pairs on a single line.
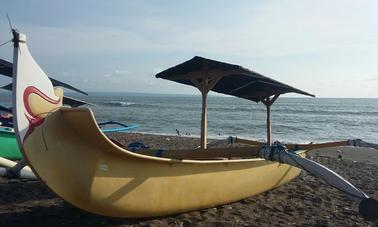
[[117, 103]]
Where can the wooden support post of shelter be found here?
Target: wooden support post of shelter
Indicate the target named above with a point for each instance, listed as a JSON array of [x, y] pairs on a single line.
[[204, 121], [204, 85], [268, 101]]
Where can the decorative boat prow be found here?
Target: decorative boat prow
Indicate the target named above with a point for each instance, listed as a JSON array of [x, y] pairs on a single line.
[[33, 87]]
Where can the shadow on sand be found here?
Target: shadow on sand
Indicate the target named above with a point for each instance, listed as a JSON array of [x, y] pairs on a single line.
[[61, 214]]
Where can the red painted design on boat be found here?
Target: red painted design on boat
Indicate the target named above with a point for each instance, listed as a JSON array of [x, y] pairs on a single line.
[[34, 120]]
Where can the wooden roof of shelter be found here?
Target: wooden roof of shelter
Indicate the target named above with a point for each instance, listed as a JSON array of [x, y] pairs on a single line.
[[230, 79]]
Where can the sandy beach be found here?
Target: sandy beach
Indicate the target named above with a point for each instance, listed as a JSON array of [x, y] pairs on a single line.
[[306, 201]]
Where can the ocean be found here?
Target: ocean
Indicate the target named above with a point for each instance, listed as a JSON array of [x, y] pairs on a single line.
[[293, 119]]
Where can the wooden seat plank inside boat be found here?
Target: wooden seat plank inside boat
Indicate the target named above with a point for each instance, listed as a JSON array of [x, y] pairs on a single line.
[[209, 153]]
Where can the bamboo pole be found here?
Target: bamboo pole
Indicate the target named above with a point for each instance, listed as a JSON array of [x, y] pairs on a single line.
[[9, 164], [26, 174]]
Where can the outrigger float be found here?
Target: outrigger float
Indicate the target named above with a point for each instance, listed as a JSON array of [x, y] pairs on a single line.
[[67, 150]]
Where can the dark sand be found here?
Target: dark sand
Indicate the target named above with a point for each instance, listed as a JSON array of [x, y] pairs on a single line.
[[306, 201]]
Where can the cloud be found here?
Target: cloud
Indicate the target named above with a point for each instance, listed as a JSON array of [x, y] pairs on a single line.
[[83, 40], [294, 40], [117, 76], [157, 70], [373, 79], [64, 74], [264, 30]]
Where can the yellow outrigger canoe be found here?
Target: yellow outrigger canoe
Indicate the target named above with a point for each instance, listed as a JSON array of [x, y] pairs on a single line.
[[103, 178], [67, 151]]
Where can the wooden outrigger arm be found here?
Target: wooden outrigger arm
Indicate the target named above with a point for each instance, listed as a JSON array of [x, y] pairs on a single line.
[[368, 207], [313, 146], [310, 146]]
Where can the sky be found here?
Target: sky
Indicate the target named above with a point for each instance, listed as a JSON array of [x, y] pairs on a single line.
[[327, 48]]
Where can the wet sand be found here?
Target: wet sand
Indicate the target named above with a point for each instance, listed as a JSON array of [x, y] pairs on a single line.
[[306, 201]]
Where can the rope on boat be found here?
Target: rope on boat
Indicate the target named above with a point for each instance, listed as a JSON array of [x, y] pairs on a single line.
[[6, 42], [270, 152]]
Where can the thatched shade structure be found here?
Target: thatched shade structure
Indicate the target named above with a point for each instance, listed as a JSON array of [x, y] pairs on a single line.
[[234, 80], [229, 79]]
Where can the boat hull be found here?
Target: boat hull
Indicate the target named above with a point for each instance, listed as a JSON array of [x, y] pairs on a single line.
[[8, 145], [102, 178]]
